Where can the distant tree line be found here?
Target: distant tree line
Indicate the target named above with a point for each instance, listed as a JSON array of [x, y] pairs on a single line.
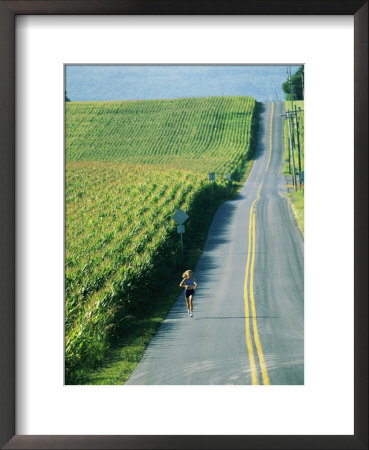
[[293, 87], [67, 99]]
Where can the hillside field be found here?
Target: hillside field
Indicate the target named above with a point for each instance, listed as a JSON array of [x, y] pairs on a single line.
[[129, 166]]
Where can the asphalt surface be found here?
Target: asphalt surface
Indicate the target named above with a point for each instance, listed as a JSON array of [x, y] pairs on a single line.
[[248, 324]]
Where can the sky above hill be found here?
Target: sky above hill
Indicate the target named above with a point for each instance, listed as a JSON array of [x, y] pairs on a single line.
[[143, 82]]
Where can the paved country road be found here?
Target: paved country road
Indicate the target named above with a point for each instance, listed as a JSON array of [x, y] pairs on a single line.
[[248, 324]]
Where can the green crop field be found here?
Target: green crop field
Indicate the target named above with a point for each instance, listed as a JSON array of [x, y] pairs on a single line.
[[129, 166], [198, 134]]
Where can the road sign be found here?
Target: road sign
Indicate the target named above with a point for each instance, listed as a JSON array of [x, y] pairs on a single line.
[[180, 229], [180, 217], [211, 176]]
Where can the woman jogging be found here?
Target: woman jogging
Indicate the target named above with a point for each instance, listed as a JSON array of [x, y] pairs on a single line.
[[190, 284]]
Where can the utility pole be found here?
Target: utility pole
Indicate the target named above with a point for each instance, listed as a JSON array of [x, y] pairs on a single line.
[[290, 115], [291, 149], [302, 84], [291, 156], [289, 161], [298, 144], [289, 152], [291, 88]]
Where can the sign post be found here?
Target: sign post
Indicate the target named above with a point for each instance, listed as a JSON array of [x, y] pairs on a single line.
[[212, 178], [228, 178], [180, 218]]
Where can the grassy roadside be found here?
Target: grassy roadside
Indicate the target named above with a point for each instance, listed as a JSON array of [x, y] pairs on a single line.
[[297, 204], [128, 349], [296, 197]]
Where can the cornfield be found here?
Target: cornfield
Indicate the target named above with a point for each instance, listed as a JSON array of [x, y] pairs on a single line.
[[200, 134]]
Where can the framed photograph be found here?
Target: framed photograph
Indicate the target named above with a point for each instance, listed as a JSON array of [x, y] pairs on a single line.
[[45, 48]]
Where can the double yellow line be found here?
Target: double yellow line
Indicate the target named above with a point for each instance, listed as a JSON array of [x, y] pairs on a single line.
[[249, 289]]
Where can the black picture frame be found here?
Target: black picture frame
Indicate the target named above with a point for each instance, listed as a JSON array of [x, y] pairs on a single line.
[[8, 11]]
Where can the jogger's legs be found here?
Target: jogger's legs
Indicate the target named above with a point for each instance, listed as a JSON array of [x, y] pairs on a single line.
[[190, 302]]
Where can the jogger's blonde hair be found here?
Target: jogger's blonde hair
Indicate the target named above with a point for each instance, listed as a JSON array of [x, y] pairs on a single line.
[[187, 274]]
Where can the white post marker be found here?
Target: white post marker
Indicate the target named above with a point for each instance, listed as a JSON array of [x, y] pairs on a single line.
[[212, 179], [180, 218], [228, 178]]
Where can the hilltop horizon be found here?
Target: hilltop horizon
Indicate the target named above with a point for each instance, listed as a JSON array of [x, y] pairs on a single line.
[[155, 82]]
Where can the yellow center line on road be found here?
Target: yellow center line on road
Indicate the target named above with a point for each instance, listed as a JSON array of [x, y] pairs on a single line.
[[259, 190], [249, 288], [270, 139], [264, 372], [254, 375]]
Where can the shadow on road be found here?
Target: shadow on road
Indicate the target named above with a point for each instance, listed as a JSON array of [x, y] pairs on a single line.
[[241, 317], [219, 228]]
